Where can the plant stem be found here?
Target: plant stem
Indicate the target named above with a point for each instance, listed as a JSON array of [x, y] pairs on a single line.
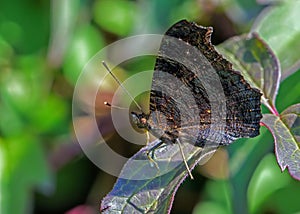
[[274, 110]]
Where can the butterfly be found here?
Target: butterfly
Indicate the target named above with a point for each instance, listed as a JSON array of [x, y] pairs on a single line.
[[198, 102], [196, 97]]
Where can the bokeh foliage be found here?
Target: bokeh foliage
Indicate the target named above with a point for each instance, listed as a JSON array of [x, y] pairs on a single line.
[[43, 48]]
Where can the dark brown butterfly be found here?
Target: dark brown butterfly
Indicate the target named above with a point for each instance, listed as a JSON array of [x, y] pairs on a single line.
[[196, 96]]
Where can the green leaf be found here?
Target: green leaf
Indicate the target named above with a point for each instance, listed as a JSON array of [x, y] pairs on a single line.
[[279, 26], [20, 92], [23, 87], [285, 131], [209, 207], [223, 198], [11, 32], [24, 167], [257, 63], [244, 157], [27, 26], [285, 200], [6, 51], [143, 188], [86, 42], [116, 16], [266, 180], [8, 128], [288, 93], [51, 115]]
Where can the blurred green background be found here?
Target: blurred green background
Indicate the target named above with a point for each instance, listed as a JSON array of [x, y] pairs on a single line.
[[43, 48]]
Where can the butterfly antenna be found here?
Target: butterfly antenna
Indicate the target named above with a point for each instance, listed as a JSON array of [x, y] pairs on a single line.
[[184, 160], [120, 84], [113, 106]]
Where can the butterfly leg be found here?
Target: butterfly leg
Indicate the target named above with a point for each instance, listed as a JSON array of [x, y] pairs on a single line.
[[150, 154], [147, 137], [184, 159]]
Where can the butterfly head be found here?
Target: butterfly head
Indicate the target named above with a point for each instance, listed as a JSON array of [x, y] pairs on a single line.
[[140, 120]]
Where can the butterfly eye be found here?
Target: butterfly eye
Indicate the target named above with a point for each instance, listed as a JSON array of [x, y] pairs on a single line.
[[135, 118]]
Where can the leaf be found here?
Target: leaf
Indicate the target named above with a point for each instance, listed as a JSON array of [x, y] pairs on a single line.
[[291, 117], [285, 131], [210, 207], [89, 41], [244, 157], [257, 63], [288, 92], [23, 166], [117, 16], [266, 180], [279, 26], [142, 188]]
